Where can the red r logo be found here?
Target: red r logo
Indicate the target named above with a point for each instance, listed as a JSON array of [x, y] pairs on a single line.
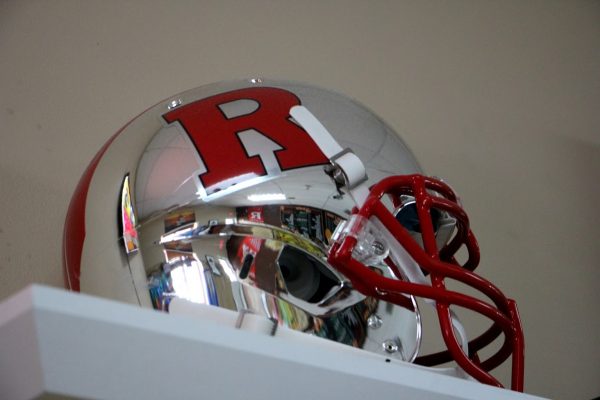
[[244, 134]]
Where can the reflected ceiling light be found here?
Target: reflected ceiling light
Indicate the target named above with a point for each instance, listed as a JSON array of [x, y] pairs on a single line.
[[266, 197]]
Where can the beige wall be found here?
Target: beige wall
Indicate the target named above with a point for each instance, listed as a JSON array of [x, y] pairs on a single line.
[[500, 98]]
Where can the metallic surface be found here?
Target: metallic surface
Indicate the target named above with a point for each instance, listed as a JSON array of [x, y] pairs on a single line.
[[239, 218]]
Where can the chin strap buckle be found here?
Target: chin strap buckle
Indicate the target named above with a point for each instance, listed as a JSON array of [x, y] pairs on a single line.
[[346, 169]]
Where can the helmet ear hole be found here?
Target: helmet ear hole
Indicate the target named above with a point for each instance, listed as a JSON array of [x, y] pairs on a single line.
[[408, 217], [305, 277], [443, 224]]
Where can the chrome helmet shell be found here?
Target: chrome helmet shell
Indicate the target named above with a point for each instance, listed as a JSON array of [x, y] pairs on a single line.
[[288, 201]]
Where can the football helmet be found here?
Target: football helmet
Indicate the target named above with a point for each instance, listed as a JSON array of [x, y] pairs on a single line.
[[288, 201]]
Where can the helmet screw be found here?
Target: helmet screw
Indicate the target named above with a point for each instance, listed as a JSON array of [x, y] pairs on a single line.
[[390, 346], [378, 248], [174, 104], [374, 321]]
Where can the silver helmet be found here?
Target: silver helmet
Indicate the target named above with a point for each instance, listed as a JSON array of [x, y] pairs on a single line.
[[236, 195]]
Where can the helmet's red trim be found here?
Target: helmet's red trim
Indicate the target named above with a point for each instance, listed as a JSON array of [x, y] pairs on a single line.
[[440, 264], [74, 230]]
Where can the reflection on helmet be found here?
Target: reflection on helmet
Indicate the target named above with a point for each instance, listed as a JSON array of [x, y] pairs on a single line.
[[225, 199]]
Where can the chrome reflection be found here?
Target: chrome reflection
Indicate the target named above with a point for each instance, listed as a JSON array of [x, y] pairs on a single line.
[[278, 274], [127, 221], [241, 217]]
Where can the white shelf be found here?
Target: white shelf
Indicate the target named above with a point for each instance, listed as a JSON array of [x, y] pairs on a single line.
[[57, 343]]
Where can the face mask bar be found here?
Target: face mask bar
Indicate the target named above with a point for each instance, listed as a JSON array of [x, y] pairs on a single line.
[[439, 264]]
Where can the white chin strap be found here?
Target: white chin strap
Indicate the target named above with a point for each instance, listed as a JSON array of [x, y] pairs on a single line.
[[353, 169], [356, 183]]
